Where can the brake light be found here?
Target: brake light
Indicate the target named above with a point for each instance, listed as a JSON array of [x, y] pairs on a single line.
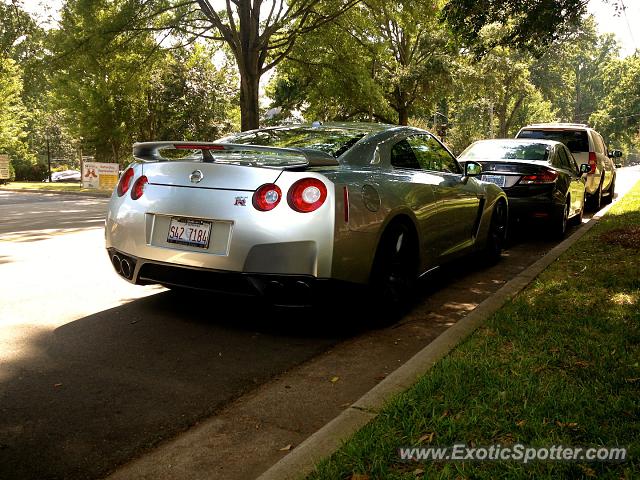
[[593, 162], [307, 195], [125, 182], [545, 176], [138, 187], [199, 147], [267, 197]]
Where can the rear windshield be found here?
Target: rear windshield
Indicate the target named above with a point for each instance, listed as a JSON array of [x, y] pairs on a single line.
[[575, 140], [506, 151], [334, 141]]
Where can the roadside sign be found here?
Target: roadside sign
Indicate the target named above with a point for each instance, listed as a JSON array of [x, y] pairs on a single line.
[[100, 175], [4, 167]]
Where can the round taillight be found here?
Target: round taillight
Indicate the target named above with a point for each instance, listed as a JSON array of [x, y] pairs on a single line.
[[307, 195], [125, 182], [138, 187], [267, 197]]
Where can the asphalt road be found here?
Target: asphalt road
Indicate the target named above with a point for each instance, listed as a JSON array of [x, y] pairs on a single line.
[[95, 371]]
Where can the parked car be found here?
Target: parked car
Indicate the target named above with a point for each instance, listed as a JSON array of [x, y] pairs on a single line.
[[540, 177], [281, 211], [65, 176], [587, 146]]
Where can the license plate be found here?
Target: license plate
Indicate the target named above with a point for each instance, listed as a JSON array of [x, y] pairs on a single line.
[[497, 179], [189, 231]]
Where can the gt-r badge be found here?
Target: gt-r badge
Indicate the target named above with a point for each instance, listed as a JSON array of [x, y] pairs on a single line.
[[196, 176], [241, 202]]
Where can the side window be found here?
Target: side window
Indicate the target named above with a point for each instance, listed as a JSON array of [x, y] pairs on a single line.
[[598, 143], [431, 155], [572, 162], [402, 156], [564, 159]]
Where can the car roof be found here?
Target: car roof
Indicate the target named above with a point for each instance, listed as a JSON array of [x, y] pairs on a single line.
[[521, 141], [368, 127], [557, 125]]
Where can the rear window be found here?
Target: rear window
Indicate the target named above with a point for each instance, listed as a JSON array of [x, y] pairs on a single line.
[[334, 141], [506, 151], [575, 140]]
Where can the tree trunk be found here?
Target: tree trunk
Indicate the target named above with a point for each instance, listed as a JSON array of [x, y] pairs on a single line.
[[403, 116], [249, 90]]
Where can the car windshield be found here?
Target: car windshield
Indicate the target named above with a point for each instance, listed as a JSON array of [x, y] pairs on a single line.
[[332, 140], [575, 140], [506, 151]]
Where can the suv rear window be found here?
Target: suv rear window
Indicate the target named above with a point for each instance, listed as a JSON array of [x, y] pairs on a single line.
[[576, 141]]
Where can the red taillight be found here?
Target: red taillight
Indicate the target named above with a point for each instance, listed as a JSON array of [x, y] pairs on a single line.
[[267, 197], [307, 195], [125, 182], [545, 176], [138, 187], [593, 162]]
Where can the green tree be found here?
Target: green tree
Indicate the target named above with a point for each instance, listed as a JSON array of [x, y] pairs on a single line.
[[529, 25], [376, 59], [13, 115]]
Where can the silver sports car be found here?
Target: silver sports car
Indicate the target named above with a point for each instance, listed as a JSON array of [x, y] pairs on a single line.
[[282, 211]]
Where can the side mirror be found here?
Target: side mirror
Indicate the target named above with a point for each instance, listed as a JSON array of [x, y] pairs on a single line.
[[472, 169], [585, 168], [615, 153]]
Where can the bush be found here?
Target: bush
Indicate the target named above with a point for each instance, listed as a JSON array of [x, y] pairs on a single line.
[[26, 170]]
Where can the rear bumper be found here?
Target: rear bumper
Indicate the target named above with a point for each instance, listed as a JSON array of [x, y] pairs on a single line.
[[537, 207], [278, 289]]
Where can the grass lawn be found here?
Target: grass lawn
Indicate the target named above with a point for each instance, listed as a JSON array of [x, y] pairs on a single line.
[[54, 186], [559, 364]]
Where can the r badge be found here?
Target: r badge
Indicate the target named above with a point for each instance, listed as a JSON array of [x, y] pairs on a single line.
[[241, 202]]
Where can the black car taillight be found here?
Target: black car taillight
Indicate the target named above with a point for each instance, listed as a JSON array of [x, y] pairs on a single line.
[[544, 176]]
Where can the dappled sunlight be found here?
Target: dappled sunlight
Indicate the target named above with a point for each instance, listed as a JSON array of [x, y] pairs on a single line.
[[625, 299], [36, 235]]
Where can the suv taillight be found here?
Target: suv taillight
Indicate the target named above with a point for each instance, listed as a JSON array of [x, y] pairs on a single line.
[[593, 162], [544, 176]]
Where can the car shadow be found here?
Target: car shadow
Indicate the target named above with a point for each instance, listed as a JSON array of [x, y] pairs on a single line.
[[90, 395]]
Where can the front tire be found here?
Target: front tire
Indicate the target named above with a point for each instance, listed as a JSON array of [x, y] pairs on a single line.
[[497, 234], [611, 192], [596, 198], [559, 224]]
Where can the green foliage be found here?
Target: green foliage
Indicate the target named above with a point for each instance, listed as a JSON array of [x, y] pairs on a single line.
[[619, 117], [392, 57], [13, 115], [523, 25]]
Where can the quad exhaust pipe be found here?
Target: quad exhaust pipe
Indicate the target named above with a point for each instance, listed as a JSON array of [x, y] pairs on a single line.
[[123, 265]]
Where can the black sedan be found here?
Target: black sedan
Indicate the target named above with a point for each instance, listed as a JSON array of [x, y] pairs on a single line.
[[540, 177]]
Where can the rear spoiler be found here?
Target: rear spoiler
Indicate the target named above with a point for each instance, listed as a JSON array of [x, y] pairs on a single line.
[[150, 152]]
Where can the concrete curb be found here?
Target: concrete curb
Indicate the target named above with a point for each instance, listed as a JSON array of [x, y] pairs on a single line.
[[301, 461], [58, 192]]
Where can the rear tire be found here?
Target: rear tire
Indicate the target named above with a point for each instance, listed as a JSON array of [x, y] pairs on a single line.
[[394, 274]]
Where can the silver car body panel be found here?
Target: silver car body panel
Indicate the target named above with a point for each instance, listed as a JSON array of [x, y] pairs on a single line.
[[450, 213]]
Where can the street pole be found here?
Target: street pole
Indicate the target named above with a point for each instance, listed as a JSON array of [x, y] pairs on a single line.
[[49, 158]]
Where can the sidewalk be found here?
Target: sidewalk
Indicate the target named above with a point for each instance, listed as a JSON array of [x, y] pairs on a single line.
[[56, 188], [557, 365]]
